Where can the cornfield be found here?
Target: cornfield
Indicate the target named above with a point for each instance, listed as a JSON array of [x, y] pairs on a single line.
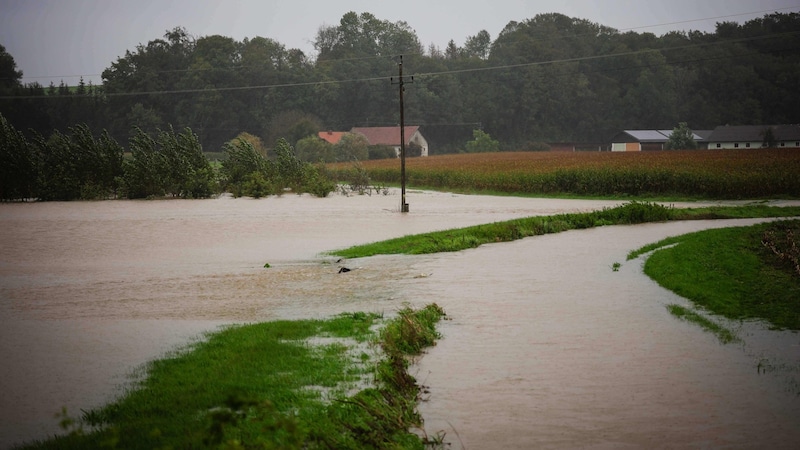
[[722, 174]]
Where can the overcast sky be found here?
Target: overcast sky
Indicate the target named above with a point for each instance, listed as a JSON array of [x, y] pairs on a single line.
[[65, 39]]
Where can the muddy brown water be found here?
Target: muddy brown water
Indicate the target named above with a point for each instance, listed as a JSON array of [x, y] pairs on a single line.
[[546, 346]]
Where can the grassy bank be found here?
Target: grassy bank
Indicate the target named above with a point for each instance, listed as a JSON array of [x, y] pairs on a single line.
[[739, 273], [728, 272], [629, 213], [329, 384]]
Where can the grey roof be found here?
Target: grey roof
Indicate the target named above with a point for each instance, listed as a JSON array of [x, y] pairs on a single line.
[[663, 135], [702, 134], [648, 135], [754, 133]]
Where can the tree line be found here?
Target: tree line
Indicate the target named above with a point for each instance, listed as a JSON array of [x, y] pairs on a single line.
[[547, 79], [79, 165]]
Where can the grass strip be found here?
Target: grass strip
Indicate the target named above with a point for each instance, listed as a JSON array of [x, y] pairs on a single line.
[[724, 335], [628, 213], [269, 385], [730, 272]]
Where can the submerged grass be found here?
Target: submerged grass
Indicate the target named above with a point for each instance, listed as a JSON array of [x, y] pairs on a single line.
[[724, 335], [261, 386], [628, 213]]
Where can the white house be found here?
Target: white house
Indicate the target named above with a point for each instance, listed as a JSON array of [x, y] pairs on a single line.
[[752, 136], [390, 136]]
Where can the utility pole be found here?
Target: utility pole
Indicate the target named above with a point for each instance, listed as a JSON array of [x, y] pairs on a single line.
[[401, 82]]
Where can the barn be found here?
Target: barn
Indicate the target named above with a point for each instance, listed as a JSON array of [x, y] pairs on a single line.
[[643, 140], [753, 136], [390, 136]]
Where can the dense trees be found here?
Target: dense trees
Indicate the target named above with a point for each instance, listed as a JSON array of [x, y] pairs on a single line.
[[78, 165], [550, 78]]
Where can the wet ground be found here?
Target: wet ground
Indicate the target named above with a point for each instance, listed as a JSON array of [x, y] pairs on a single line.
[[547, 347]]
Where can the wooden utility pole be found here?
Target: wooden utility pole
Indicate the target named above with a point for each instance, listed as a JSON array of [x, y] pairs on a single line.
[[401, 82]]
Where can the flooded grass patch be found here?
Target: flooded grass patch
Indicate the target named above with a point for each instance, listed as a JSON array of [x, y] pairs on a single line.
[[628, 213], [268, 385], [730, 272], [724, 335]]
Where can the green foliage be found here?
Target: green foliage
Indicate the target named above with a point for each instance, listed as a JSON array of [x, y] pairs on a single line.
[[313, 149], [318, 181], [78, 166], [248, 173], [352, 147], [632, 80], [482, 143], [257, 186], [471, 237], [681, 138], [289, 170], [18, 164], [173, 164], [385, 152], [730, 272], [241, 160], [724, 335]]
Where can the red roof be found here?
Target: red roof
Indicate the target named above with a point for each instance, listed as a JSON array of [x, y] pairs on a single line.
[[332, 136], [385, 135]]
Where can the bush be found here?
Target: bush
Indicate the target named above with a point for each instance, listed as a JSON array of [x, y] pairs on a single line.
[[482, 143]]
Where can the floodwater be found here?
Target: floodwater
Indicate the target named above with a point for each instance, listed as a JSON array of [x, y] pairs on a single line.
[[546, 346]]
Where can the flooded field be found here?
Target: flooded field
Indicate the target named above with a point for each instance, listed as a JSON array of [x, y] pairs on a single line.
[[547, 346]]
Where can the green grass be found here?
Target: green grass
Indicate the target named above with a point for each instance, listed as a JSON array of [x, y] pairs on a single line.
[[729, 272], [724, 335], [269, 385], [628, 213]]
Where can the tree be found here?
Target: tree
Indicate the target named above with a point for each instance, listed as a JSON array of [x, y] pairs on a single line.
[[769, 138], [482, 143], [10, 77], [478, 46], [681, 138], [255, 141], [313, 149], [18, 164], [293, 125], [352, 147]]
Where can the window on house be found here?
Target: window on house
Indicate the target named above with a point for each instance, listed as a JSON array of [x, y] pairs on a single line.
[[719, 145], [797, 144], [783, 144], [736, 145], [747, 145]]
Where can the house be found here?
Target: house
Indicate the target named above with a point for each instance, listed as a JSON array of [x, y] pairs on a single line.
[[332, 137], [752, 136], [390, 136], [642, 140]]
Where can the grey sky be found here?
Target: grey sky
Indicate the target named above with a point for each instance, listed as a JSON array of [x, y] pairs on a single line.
[[54, 40]]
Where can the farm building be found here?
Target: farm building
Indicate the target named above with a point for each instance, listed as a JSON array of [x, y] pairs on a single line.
[[754, 136], [332, 137], [642, 140], [391, 136]]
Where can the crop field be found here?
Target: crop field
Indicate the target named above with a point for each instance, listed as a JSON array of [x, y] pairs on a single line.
[[722, 174]]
